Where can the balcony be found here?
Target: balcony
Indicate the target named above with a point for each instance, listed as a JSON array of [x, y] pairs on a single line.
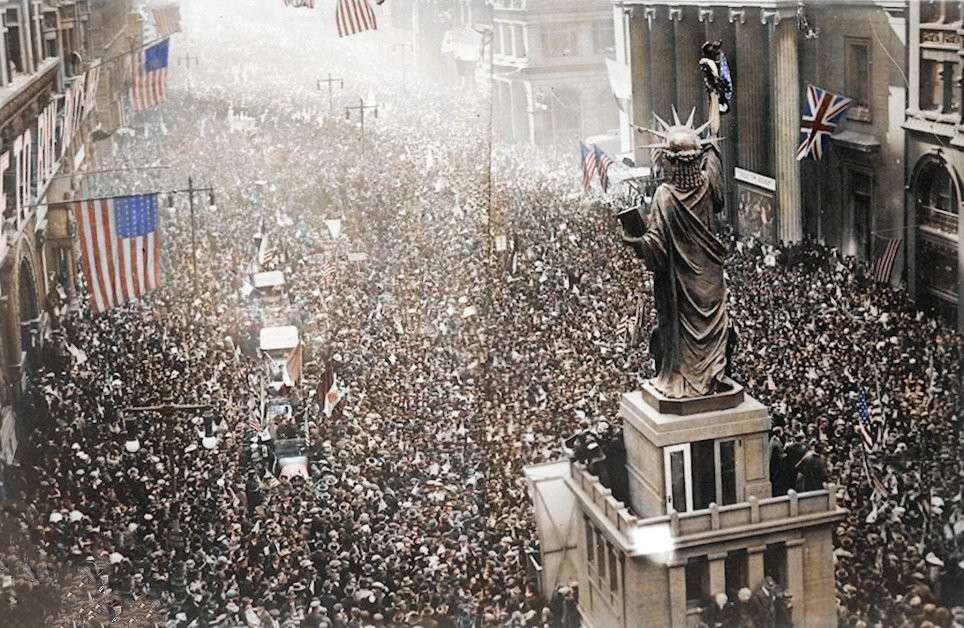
[[643, 536], [25, 87]]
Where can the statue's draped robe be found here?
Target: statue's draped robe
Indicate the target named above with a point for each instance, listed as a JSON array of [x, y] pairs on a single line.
[[682, 250]]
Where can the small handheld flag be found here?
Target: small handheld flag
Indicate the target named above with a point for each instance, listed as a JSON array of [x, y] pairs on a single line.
[[603, 162], [588, 166], [863, 423]]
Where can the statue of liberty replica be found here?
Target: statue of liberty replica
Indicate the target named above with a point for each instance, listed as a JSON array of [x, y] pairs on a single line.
[[679, 244]]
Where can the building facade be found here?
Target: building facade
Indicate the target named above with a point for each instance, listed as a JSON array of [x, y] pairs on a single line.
[[935, 158], [851, 198], [49, 85], [550, 84]]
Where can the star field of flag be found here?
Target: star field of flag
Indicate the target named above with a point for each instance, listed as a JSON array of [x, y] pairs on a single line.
[[155, 57], [136, 215]]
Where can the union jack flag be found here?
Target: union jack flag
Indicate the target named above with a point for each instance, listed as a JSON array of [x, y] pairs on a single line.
[[822, 112], [589, 166], [603, 161]]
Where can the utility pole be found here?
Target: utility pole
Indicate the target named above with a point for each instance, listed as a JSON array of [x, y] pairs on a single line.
[[190, 194], [331, 83], [361, 108]]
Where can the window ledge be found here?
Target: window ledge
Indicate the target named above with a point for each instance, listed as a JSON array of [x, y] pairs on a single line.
[[916, 122]]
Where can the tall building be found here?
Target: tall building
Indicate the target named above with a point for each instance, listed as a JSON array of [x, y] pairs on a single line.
[[935, 161], [852, 197], [47, 120], [549, 70]]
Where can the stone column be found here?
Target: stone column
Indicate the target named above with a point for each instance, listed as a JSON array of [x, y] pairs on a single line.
[[640, 73], [677, 595], [4, 70], [717, 573], [755, 565], [662, 64], [785, 95], [751, 91], [689, 80]]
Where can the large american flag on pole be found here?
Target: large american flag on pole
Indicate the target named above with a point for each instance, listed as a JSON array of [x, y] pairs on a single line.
[[822, 111], [149, 83], [120, 245], [167, 19], [354, 16]]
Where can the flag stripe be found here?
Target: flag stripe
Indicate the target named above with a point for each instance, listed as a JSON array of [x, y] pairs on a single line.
[[87, 250], [107, 260]]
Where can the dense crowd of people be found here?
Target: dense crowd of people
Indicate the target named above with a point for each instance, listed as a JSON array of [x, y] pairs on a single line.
[[460, 365]]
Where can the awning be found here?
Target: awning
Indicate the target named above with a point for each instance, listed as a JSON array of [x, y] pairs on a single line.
[[853, 140]]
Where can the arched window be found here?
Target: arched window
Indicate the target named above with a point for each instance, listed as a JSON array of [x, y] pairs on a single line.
[[937, 203]]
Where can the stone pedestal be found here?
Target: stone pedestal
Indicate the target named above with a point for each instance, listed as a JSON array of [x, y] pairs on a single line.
[[652, 423]]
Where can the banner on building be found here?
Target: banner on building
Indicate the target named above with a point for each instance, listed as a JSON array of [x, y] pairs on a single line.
[[755, 212]]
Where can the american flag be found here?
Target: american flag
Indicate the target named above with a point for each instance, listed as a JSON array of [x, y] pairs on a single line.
[[863, 422], [328, 271], [149, 84], [603, 161], [884, 265], [167, 19], [874, 478], [622, 326], [265, 252], [588, 166], [822, 112], [255, 425], [120, 247], [354, 16]]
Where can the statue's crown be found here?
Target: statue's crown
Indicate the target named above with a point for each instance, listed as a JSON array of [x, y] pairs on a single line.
[[680, 141]]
